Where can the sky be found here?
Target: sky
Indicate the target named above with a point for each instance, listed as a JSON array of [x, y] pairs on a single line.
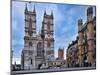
[[65, 24]]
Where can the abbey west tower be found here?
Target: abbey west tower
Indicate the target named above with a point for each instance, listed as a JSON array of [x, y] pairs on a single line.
[[38, 47]]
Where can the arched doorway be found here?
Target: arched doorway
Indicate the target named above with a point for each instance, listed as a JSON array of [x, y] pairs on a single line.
[[39, 65]]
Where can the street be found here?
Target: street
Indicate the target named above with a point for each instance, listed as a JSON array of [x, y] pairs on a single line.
[[52, 70]]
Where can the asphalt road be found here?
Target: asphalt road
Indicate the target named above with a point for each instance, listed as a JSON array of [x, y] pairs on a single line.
[[51, 70]]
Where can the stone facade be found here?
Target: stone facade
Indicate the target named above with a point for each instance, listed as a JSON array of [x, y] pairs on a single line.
[[72, 54], [61, 63], [61, 53], [38, 47], [86, 41]]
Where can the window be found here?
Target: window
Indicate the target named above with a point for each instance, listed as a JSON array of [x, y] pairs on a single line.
[[48, 43], [30, 52], [39, 49], [48, 27], [31, 61], [30, 27], [48, 52], [30, 43], [95, 28]]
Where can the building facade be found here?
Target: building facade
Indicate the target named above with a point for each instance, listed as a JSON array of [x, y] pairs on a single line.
[[86, 50], [38, 47], [72, 54], [61, 53], [59, 61]]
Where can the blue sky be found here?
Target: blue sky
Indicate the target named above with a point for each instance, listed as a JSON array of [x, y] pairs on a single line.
[[65, 23]]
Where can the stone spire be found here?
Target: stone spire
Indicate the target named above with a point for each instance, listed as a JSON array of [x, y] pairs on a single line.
[[52, 14], [45, 12], [89, 13], [26, 7], [80, 22], [89, 10], [34, 9]]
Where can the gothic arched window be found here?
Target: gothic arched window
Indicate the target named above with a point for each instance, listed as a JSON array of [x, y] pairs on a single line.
[[39, 49], [30, 27], [48, 27], [48, 44]]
